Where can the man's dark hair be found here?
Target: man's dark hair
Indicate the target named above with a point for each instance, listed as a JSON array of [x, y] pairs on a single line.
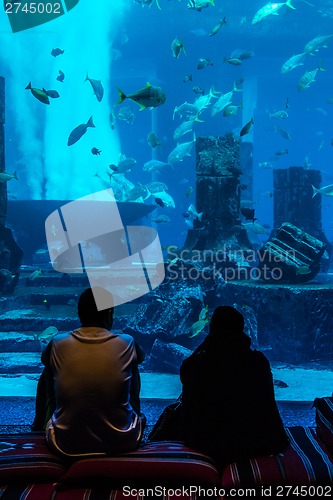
[[226, 319], [87, 309]]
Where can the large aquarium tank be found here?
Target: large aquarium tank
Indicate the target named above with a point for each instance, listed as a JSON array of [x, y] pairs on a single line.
[[179, 153]]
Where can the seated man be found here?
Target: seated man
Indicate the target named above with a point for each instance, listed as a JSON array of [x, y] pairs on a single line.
[[96, 385], [228, 410]]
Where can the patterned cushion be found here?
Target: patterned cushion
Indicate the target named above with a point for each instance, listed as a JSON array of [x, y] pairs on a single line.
[[26, 456], [40, 491], [158, 460], [304, 462], [324, 420]]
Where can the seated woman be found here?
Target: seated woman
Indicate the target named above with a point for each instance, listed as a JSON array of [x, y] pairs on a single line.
[[229, 409]]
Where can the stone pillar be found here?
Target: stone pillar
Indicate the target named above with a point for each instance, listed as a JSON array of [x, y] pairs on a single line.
[[246, 165], [218, 195], [3, 185], [293, 202]]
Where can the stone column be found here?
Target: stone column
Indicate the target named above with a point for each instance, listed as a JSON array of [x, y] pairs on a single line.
[[3, 185], [246, 164], [218, 195]]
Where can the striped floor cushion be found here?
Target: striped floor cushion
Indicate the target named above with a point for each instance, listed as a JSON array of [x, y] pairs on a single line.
[[158, 460], [27, 457], [324, 421], [303, 463], [37, 491]]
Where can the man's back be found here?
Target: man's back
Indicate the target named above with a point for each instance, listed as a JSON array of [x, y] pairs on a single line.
[[92, 379]]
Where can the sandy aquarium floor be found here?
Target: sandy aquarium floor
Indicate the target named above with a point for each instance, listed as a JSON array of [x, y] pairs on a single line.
[[304, 384]]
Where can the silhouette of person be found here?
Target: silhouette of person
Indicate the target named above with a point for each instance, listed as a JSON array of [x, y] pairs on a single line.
[[228, 406], [91, 386]]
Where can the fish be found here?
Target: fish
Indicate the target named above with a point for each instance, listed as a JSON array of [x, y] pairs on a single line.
[[154, 166], [124, 165], [281, 152], [293, 62], [159, 202], [248, 213], [316, 43], [52, 93], [97, 87], [248, 203], [325, 191], [189, 192], [61, 76], [198, 90], [138, 191], [231, 109], [203, 313], [166, 198], [161, 219], [284, 133], [79, 131], [279, 115], [126, 114], [187, 109], [116, 54], [177, 47], [5, 176], [204, 101], [35, 274], [153, 140], [46, 334], [96, 151], [7, 274], [266, 164], [269, 9], [112, 120], [217, 27], [39, 94], [242, 54], [181, 151], [308, 78], [187, 78], [303, 270], [203, 63], [233, 60], [184, 128], [193, 212], [149, 3], [223, 101], [72, 303], [56, 52], [156, 187], [247, 128], [266, 194], [199, 4], [197, 327], [147, 97], [254, 227]]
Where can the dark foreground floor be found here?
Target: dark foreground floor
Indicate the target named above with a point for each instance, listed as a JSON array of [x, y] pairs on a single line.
[[16, 413]]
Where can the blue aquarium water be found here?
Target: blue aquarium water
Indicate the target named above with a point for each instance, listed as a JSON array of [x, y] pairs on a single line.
[[128, 95]]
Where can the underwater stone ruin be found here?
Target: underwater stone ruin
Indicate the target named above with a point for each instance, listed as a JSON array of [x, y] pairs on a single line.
[[218, 174], [293, 202], [291, 255]]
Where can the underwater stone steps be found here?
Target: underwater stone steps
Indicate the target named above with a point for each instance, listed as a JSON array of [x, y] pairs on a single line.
[[22, 342], [36, 318], [17, 362]]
